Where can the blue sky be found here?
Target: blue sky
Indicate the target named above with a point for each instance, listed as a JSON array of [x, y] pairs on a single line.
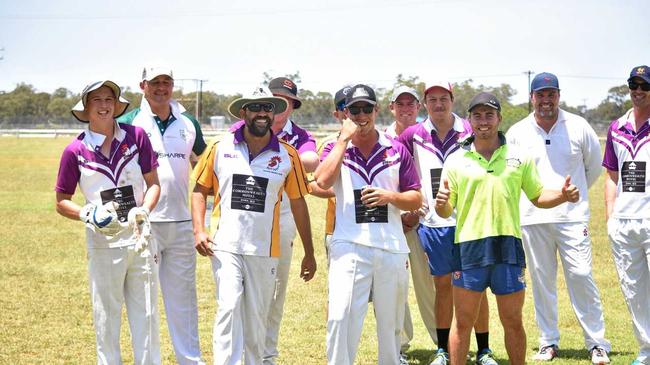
[[590, 45]]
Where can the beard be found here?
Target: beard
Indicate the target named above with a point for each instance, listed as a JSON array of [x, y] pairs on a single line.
[[255, 129]]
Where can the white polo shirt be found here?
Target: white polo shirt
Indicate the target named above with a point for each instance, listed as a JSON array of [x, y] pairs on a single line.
[[248, 192], [430, 152], [389, 166], [174, 148], [119, 178], [571, 147], [628, 153]]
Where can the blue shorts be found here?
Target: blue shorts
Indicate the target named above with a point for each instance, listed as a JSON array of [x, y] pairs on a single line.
[[501, 278], [438, 243]]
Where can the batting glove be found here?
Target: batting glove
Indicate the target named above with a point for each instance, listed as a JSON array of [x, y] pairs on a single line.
[[101, 218], [139, 221]]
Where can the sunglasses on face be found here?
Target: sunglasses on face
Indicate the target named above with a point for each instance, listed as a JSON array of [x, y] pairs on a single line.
[[354, 110], [257, 107], [635, 85]]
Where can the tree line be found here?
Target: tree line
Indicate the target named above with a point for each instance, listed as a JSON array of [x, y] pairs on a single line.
[[25, 107]]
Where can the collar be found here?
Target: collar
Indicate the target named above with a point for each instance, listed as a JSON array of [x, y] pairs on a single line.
[[95, 139], [238, 137], [627, 121], [467, 142], [287, 129], [382, 140], [176, 108], [458, 125]]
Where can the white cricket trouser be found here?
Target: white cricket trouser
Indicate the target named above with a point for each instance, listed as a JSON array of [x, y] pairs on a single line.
[[177, 273], [120, 275], [425, 291], [244, 287], [287, 235], [542, 243], [630, 239], [354, 270]]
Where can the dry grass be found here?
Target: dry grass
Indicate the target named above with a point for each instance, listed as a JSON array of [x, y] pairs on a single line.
[[45, 314]]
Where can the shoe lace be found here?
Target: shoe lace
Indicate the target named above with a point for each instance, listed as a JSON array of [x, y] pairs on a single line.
[[597, 351]]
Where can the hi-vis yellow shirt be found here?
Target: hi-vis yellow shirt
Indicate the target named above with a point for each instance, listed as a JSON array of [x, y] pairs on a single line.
[[248, 192]]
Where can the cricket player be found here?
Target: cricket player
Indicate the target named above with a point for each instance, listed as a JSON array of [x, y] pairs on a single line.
[[177, 139], [248, 170], [115, 168], [430, 143], [404, 105], [483, 181], [561, 144], [374, 180], [287, 130], [627, 198]]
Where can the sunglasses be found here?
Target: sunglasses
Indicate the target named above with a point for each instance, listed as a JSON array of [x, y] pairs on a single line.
[[354, 110], [635, 85], [257, 107]]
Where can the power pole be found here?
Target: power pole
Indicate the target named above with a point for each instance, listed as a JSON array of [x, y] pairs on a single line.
[[529, 72], [198, 105]]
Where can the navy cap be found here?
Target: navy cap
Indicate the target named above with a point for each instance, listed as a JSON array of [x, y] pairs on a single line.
[[486, 99], [361, 92], [339, 97], [545, 80], [640, 71], [282, 86]]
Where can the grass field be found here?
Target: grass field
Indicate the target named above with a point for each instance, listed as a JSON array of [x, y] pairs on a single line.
[[45, 310]]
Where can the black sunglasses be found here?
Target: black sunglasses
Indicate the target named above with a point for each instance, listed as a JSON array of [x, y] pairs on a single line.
[[354, 110], [257, 107], [635, 85]]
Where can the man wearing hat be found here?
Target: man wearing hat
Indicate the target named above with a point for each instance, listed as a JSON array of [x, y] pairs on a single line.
[[247, 171], [374, 179], [430, 143], [483, 181], [561, 143], [115, 168], [177, 139], [288, 131], [627, 198]]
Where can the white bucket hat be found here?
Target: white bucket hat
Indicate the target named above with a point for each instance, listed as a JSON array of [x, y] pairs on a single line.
[[79, 110], [261, 94]]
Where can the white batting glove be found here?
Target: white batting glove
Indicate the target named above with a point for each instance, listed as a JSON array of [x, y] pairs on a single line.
[[101, 218], [139, 221]]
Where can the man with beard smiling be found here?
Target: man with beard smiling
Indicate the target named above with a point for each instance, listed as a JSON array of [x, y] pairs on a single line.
[[374, 179], [483, 181], [561, 144], [247, 171], [627, 197]]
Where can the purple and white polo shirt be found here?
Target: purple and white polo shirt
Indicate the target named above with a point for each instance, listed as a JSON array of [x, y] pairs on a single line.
[[628, 153], [390, 166]]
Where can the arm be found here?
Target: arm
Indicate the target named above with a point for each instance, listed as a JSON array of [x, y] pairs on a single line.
[[202, 240], [328, 171], [552, 198], [303, 224], [66, 207], [611, 183], [309, 160], [321, 193], [153, 190]]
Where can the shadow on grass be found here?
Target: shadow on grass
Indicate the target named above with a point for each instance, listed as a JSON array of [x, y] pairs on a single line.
[[423, 357]]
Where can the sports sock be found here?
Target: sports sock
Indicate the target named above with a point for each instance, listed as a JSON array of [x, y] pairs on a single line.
[[482, 341], [443, 338]]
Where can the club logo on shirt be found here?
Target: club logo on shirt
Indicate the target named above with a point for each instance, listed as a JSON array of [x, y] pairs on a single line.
[[513, 162], [585, 232], [230, 155], [274, 163], [124, 149], [182, 134]]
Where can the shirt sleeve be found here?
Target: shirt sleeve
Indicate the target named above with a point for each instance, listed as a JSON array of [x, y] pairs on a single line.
[[203, 173], [295, 185], [531, 183], [610, 160], [591, 152], [148, 159], [408, 174], [326, 150], [69, 174], [306, 143], [199, 143]]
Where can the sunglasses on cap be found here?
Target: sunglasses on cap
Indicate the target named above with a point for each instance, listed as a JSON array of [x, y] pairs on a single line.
[[257, 107], [354, 110], [635, 85]]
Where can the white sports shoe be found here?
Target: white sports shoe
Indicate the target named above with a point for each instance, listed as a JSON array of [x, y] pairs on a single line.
[[599, 356], [403, 360], [546, 353]]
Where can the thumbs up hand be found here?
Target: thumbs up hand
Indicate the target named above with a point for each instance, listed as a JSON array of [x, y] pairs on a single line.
[[570, 191], [443, 193]]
